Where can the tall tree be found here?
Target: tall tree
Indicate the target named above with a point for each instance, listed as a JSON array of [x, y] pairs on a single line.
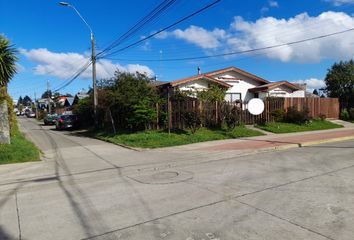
[[20, 101], [47, 94], [340, 83], [8, 60], [27, 101]]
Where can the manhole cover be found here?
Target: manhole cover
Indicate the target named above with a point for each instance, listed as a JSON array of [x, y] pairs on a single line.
[[165, 175]]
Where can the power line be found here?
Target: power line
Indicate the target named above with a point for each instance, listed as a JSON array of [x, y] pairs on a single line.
[[140, 24], [75, 76], [163, 29], [238, 52]]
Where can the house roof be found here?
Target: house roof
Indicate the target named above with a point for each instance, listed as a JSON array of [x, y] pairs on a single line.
[[270, 86], [240, 71], [210, 77], [69, 101], [197, 77]]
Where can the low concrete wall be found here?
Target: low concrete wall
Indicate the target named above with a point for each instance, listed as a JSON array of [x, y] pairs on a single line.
[[4, 124]]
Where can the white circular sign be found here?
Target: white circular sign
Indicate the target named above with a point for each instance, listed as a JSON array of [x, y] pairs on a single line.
[[256, 106]]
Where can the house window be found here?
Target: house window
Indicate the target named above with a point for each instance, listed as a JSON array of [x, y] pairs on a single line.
[[232, 97]]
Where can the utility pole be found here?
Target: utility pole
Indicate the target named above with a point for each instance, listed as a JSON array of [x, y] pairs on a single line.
[[48, 98], [35, 104], [93, 59]]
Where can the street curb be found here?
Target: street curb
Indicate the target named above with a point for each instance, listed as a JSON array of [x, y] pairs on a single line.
[[311, 143]]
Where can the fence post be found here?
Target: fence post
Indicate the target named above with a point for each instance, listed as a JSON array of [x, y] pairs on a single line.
[[216, 112], [168, 111], [157, 116]]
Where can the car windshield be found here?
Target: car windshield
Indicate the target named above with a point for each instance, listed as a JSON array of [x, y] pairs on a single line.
[[67, 117]]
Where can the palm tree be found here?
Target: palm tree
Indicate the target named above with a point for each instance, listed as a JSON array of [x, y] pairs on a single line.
[[8, 60]]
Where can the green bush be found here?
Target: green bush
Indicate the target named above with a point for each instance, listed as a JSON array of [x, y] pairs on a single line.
[[4, 96], [192, 120], [278, 115], [344, 115], [322, 117], [295, 116], [143, 115], [351, 113], [231, 117]]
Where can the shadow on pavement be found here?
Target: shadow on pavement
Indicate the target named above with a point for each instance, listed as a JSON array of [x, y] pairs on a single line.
[[4, 235]]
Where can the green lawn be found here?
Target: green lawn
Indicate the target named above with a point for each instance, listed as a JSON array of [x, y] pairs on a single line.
[[279, 127], [156, 139], [20, 150]]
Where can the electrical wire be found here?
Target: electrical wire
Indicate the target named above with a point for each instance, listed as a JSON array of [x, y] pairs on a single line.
[[140, 24], [163, 29], [239, 52]]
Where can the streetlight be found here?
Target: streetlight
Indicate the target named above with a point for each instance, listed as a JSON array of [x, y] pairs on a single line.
[[93, 59]]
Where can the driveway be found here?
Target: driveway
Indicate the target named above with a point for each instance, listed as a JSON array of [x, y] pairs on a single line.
[[89, 189]]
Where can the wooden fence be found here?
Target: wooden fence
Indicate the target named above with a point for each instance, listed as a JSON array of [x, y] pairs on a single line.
[[328, 107], [213, 113]]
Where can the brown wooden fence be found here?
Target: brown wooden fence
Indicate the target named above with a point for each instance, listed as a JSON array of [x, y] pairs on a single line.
[[328, 107], [213, 113]]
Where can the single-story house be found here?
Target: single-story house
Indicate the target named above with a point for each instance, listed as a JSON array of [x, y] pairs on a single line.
[[240, 85]]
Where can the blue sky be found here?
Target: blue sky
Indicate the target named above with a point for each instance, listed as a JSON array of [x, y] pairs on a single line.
[[54, 42]]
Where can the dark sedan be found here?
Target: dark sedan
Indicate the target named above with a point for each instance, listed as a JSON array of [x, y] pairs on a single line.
[[50, 119], [66, 122]]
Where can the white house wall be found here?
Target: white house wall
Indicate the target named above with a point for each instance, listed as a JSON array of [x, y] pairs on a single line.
[[283, 91], [239, 86], [299, 94], [197, 85]]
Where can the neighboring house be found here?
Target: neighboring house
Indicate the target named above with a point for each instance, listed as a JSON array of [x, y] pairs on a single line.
[[43, 103], [64, 104], [240, 85], [82, 94]]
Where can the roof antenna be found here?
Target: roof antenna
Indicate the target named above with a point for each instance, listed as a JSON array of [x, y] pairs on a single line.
[[199, 71]]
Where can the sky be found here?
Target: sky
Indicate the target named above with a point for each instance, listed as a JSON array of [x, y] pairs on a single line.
[[54, 43]]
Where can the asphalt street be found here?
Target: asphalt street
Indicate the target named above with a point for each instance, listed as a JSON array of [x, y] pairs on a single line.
[[89, 189]]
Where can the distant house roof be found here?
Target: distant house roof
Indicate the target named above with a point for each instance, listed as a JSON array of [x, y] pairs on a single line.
[[69, 101], [197, 77], [240, 71], [82, 94], [210, 76], [270, 86], [158, 83]]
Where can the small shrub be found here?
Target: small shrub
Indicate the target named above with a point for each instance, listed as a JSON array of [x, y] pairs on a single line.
[[278, 115], [295, 116], [344, 115], [41, 114], [351, 113], [192, 120], [231, 117], [322, 117]]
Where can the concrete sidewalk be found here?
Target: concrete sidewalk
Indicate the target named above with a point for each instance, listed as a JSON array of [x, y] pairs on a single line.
[[273, 141]]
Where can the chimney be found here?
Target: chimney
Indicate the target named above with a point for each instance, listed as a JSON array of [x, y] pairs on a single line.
[[199, 71]]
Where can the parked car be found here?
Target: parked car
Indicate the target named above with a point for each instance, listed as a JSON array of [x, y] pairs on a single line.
[[66, 122], [27, 112], [31, 115], [50, 119]]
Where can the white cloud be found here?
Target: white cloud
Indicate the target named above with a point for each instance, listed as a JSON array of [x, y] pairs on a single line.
[[64, 65], [273, 3], [270, 31], [198, 36], [312, 83], [340, 2]]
